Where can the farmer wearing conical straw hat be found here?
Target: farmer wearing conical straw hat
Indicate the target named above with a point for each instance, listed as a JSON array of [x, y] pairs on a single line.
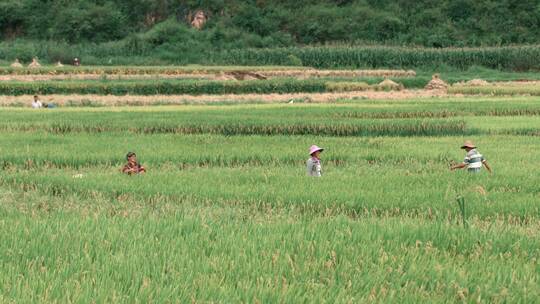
[[314, 162], [473, 159]]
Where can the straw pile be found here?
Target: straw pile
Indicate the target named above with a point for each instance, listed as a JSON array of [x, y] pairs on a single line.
[[436, 83]]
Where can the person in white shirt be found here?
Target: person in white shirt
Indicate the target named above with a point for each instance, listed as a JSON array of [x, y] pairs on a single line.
[[313, 164], [36, 104], [474, 161]]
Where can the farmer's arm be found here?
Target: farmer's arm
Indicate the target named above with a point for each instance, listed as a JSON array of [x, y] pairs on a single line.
[[127, 169], [458, 166], [487, 166]]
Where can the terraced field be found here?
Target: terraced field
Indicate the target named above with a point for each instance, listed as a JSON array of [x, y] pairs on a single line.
[[226, 212]]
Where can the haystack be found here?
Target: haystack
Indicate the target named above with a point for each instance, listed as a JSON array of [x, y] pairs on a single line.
[[16, 64], [34, 64], [388, 84], [246, 75], [436, 83], [223, 76]]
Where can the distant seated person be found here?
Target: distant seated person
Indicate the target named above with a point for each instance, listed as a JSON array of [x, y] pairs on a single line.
[[76, 61], [36, 104], [132, 166]]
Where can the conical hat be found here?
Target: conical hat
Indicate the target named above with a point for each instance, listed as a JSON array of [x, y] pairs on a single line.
[[468, 144]]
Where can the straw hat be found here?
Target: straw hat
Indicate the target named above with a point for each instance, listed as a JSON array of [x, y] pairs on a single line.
[[468, 144], [314, 149]]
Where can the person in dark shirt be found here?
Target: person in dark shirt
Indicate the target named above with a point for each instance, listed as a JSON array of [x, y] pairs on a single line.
[[132, 166]]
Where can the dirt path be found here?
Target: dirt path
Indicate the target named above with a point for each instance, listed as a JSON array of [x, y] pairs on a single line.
[[108, 100]]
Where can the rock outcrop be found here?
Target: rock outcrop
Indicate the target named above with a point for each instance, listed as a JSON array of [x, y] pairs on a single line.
[[199, 20]]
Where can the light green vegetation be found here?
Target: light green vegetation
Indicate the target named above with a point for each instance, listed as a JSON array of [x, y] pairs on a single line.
[[226, 214], [421, 117], [498, 90]]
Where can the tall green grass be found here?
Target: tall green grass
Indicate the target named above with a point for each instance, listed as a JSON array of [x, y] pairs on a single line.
[[517, 58], [234, 218], [73, 249]]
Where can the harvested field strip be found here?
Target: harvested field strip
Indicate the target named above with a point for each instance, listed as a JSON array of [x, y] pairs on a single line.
[[497, 90], [101, 77], [119, 74], [91, 100], [141, 70]]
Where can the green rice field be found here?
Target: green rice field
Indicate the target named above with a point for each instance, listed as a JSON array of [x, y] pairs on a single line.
[[226, 213]]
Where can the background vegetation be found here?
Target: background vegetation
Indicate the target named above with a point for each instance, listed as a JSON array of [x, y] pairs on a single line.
[[156, 32]]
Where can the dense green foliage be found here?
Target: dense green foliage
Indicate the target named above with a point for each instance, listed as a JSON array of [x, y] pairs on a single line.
[[161, 87], [223, 217], [158, 32], [270, 23], [510, 58], [195, 87]]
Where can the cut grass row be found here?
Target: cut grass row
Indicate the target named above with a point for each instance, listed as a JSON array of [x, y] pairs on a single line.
[[140, 70]]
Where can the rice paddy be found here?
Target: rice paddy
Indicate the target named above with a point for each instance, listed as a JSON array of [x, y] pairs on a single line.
[[226, 213]]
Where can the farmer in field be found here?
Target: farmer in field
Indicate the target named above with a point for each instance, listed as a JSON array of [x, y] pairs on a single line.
[[314, 162], [473, 159], [36, 104], [132, 166]]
